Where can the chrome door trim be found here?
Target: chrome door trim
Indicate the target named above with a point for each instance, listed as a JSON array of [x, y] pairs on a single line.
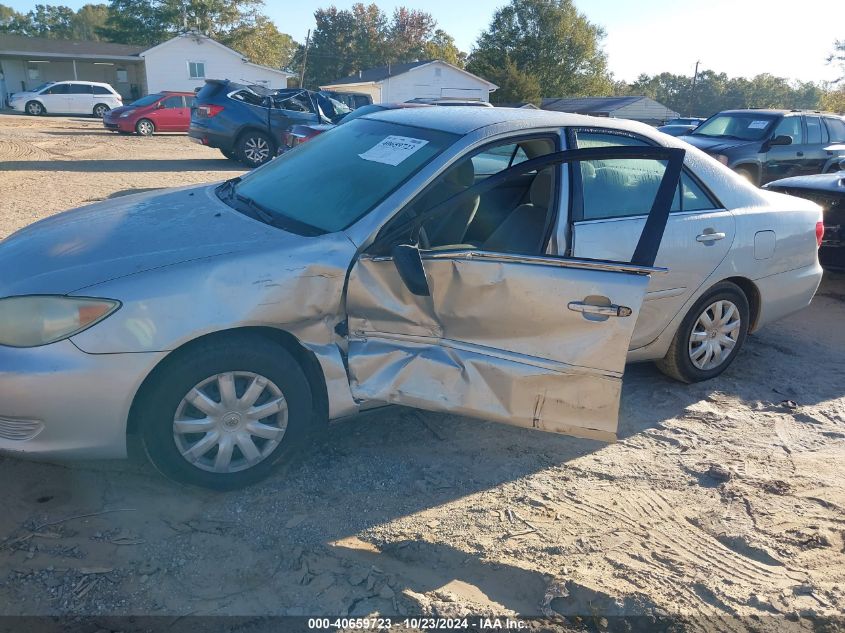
[[542, 260], [639, 216]]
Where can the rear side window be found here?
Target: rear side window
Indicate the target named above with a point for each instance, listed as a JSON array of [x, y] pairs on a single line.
[[836, 127], [102, 90], [814, 129], [246, 96], [620, 188]]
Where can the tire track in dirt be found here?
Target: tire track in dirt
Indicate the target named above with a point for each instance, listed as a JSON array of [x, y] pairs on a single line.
[[13, 150]]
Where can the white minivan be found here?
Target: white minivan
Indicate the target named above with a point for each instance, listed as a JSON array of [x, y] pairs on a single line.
[[67, 97]]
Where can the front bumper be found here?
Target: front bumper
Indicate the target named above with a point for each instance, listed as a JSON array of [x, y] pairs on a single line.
[[57, 402], [17, 106]]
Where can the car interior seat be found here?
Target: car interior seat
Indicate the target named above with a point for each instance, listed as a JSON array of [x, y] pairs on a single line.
[[523, 230]]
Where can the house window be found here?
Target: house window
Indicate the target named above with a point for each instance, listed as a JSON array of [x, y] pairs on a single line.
[[196, 70], [122, 76]]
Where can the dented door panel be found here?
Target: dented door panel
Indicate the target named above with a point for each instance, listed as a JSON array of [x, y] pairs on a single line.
[[497, 338]]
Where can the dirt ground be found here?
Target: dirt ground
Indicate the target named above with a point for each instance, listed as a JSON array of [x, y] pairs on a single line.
[[719, 500]]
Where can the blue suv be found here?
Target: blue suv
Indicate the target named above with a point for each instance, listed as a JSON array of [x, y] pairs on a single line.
[[248, 123]]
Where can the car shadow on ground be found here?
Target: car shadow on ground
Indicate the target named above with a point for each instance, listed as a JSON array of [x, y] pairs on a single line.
[[120, 165]]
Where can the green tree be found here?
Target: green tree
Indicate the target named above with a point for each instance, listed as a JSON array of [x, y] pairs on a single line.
[[549, 39], [142, 22], [12, 22], [88, 20], [262, 43], [515, 86], [442, 46]]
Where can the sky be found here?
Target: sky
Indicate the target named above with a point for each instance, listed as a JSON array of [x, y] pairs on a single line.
[[738, 37]]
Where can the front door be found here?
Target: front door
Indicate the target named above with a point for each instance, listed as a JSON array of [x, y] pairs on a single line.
[[55, 99], [783, 161], [497, 329]]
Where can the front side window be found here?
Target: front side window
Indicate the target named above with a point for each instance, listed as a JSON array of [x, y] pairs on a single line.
[[790, 126], [173, 102], [742, 126], [339, 176], [57, 89], [196, 70], [513, 217]]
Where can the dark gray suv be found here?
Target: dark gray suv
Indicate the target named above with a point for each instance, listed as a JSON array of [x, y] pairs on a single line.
[[765, 145]]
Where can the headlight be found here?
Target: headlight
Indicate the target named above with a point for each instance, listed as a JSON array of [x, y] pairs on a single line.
[[721, 158], [41, 319]]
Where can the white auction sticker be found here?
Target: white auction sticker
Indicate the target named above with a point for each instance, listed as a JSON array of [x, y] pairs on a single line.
[[393, 150], [757, 125]]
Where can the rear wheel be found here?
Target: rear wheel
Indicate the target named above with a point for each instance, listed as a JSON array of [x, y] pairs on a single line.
[[35, 108], [145, 127], [254, 148], [710, 336], [100, 110], [224, 413]]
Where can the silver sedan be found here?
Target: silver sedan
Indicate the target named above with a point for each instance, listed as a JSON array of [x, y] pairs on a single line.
[[500, 264]]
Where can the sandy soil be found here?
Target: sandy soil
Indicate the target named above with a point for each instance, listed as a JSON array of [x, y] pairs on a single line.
[[718, 500]]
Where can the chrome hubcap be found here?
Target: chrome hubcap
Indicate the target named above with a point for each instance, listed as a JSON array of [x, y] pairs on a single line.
[[256, 150], [230, 422], [145, 128], [34, 108], [714, 335], [100, 111]]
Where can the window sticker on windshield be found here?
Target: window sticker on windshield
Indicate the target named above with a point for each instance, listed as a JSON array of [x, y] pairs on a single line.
[[393, 150], [757, 125]]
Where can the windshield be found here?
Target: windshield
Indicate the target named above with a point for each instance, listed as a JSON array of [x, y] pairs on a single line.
[[148, 100], [42, 86], [359, 112], [743, 126], [333, 180]]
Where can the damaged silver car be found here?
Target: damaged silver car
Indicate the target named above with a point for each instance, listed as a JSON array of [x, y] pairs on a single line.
[[488, 262]]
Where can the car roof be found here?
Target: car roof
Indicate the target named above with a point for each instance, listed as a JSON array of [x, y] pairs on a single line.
[[466, 119]]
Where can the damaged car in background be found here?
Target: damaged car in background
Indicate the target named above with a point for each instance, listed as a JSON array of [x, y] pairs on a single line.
[[249, 123], [495, 263], [828, 191]]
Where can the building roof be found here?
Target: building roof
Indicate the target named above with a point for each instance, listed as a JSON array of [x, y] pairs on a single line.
[[45, 47], [371, 75], [374, 75], [588, 104]]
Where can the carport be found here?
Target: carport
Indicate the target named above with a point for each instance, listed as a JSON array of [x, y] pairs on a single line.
[[27, 62]]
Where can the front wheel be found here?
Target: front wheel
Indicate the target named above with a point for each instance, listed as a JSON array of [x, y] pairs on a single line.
[[223, 413], [749, 175], [35, 108], [254, 148], [145, 127], [710, 336], [100, 110]]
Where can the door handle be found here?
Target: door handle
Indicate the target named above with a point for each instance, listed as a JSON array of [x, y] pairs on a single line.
[[800, 154], [612, 310], [709, 237]]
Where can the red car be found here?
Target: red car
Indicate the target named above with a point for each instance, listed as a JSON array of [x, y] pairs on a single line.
[[158, 112]]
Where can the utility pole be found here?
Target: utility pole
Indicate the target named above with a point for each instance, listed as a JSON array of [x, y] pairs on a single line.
[[304, 60], [692, 91]]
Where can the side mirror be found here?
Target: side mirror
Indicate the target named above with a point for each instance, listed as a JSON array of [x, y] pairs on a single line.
[[782, 139], [409, 264]]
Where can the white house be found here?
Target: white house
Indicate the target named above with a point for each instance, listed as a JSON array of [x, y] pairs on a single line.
[[186, 61], [181, 63], [422, 79]]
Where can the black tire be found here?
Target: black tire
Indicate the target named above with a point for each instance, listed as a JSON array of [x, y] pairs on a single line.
[[100, 110], [677, 363], [145, 127], [35, 108], [229, 154], [254, 148], [188, 368], [749, 174]]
